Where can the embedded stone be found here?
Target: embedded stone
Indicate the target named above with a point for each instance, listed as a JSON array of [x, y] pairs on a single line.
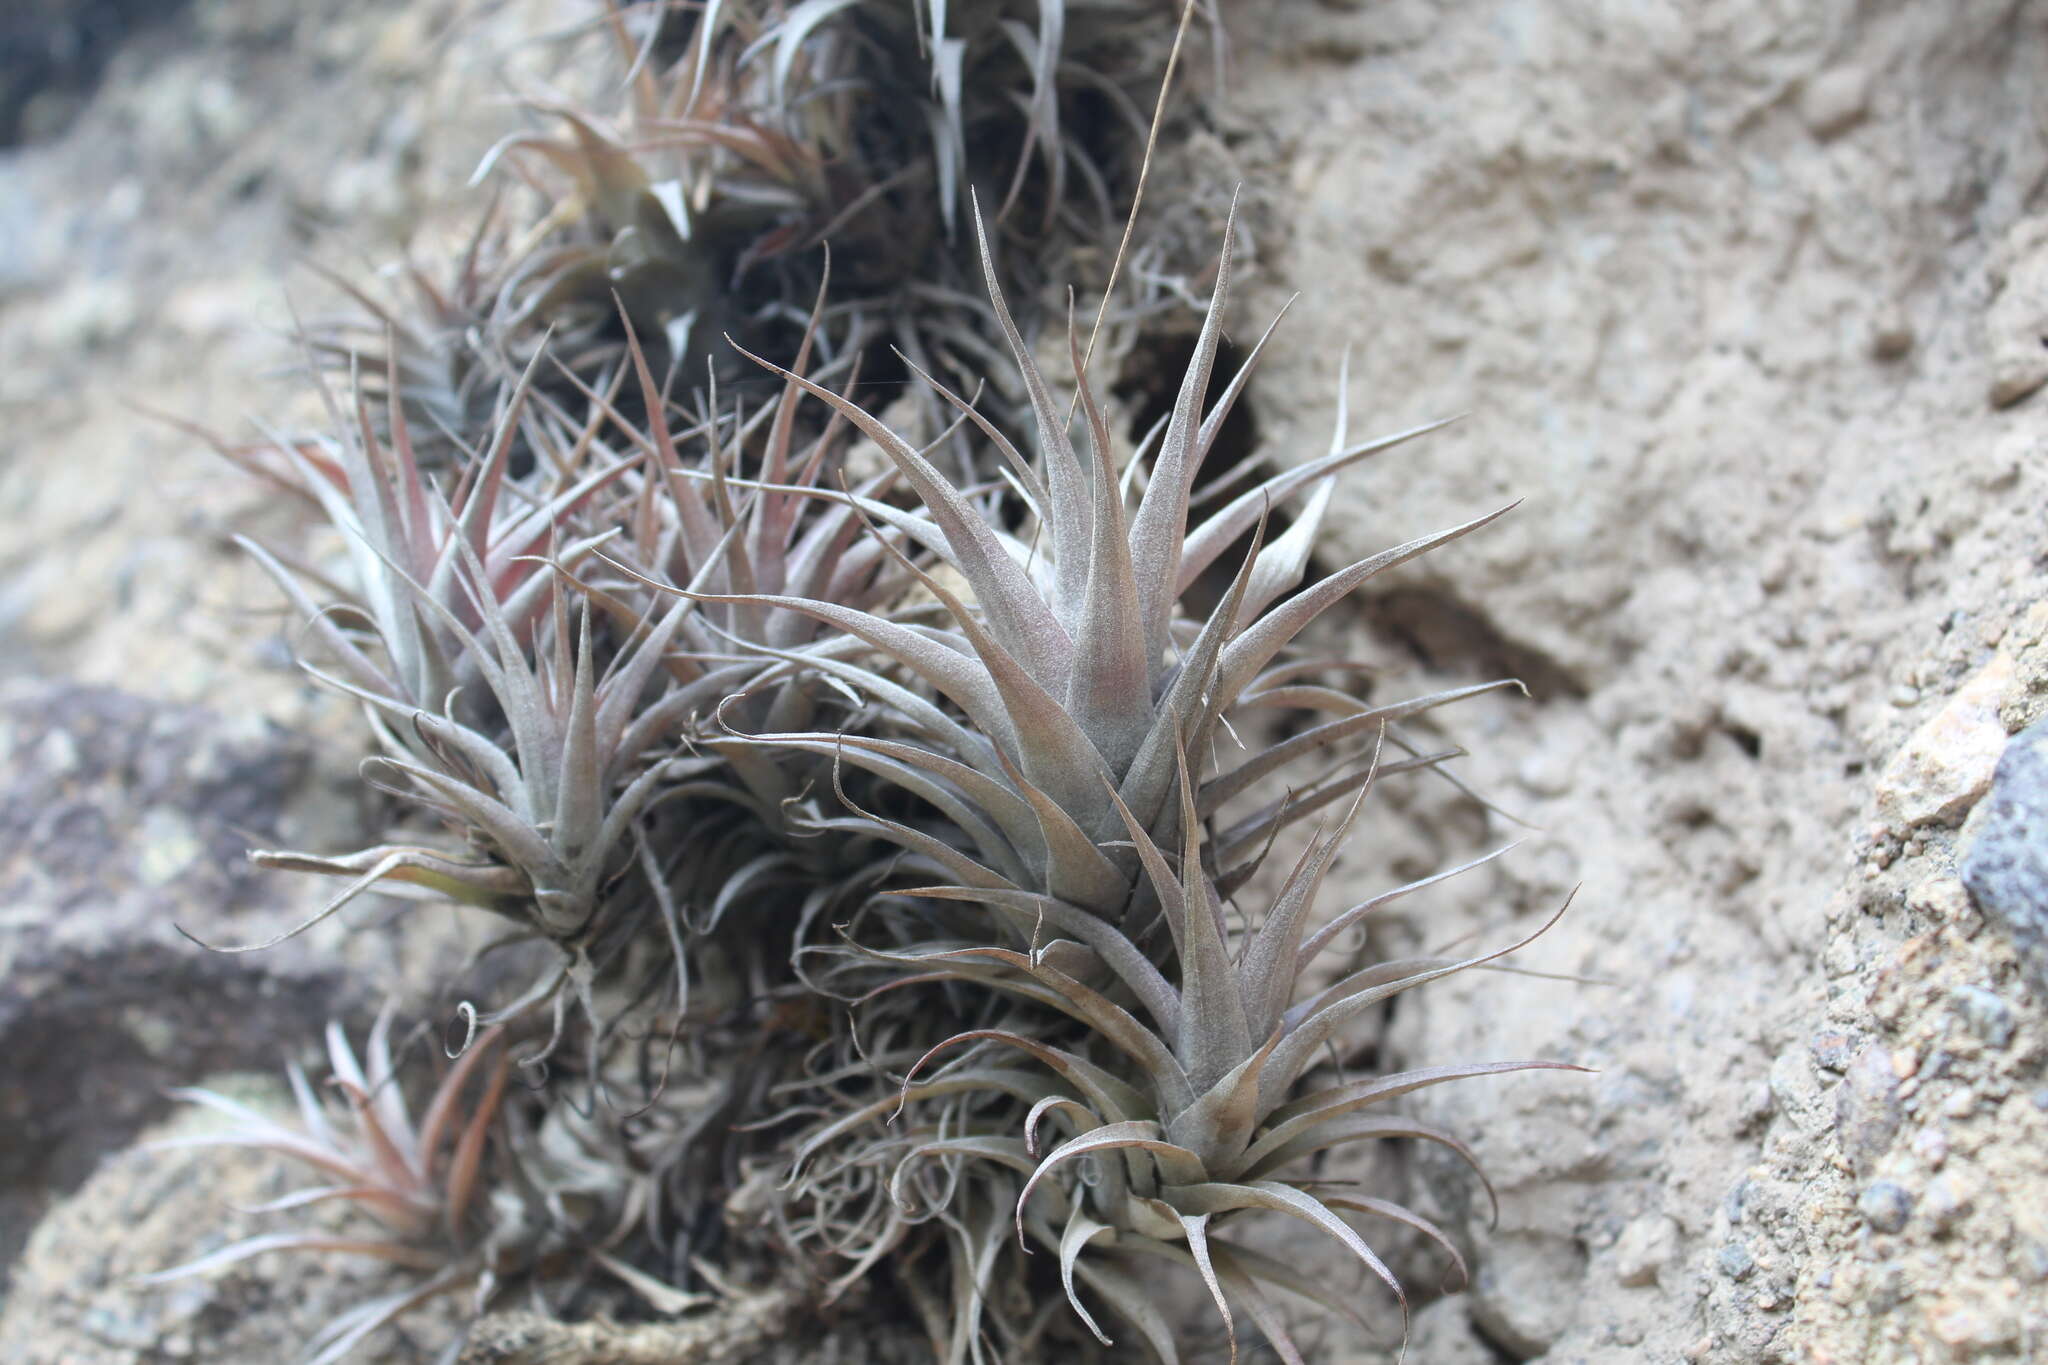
[[2006, 864], [1947, 764]]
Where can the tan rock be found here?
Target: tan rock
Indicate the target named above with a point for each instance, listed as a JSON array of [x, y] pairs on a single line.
[[2018, 316], [1946, 766], [1646, 1246], [1969, 1328], [1835, 101]]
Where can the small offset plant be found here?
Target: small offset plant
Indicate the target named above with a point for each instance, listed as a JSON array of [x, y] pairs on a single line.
[[418, 1180], [885, 847]]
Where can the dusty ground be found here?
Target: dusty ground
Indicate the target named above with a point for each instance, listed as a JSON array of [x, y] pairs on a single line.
[[1745, 299]]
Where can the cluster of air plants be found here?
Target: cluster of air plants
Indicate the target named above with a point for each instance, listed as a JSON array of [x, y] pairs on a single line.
[[727, 141], [886, 861]]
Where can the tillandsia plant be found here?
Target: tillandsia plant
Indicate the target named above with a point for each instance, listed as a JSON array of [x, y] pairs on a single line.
[[422, 1181], [1200, 1113], [1073, 676], [544, 732], [473, 1195], [736, 137]]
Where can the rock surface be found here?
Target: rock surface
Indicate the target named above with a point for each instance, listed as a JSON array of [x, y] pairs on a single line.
[[1738, 347], [123, 827], [2006, 865], [1744, 297], [120, 818]]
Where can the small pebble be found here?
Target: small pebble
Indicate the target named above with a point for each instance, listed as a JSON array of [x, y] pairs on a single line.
[[1941, 898], [1946, 765], [1984, 1014], [1736, 1262], [1886, 1205], [1945, 1202], [1737, 1198], [1891, 336], [1643, 1249], [1868, 1107], [1756, 1108], [1835, 101], [1832, 1050]]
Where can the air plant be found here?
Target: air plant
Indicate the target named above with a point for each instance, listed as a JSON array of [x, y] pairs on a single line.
[[424, 1182], [1074, 682], [481, 686], [752, 132], [544, 733], [1198, 1112]]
